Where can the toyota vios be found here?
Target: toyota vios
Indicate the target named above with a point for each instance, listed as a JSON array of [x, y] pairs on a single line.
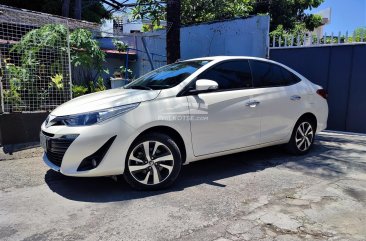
[[181, 113]]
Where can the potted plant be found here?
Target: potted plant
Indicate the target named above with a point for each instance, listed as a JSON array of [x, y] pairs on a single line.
[[121, 77]]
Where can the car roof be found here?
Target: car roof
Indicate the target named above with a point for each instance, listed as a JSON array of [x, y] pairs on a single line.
[[223, 58], [219, 58]]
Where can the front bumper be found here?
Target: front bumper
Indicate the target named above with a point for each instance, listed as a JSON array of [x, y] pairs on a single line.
[[88, 140], [50, 164]]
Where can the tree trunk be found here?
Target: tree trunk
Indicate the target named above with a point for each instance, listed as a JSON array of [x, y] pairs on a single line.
[[65, 8], [173, 31], [77, 13]]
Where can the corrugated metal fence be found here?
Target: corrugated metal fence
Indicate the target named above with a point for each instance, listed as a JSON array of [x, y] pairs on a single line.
[[339, 68]]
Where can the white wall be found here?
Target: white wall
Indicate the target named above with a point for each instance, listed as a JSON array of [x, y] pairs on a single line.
[[128, 27], [234, 38]]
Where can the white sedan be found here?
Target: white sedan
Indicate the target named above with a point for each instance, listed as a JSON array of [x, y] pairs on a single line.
[[180, 113]]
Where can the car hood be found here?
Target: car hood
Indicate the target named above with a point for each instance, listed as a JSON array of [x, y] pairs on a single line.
[[104, 99]]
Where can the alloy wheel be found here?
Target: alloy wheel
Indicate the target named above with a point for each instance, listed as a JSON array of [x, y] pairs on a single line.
[[150, 162], [304, 136]]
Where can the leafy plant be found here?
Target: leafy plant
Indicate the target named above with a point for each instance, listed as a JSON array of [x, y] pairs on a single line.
[[148, 28], [17, 76], [123, 71], [98, 86], [41, 39], [79, 90], [32, 70], [12, 96], [84, 50], [120, 46], [57, 80], [85, 54]]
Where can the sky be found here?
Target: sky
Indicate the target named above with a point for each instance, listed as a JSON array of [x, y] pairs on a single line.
[[347, 15]]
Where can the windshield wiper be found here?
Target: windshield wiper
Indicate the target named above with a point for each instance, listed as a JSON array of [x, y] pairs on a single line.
[[159, 87], [139, 87]]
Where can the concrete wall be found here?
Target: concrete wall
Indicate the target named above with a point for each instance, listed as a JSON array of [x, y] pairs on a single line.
[[237, 37], [156, 45]]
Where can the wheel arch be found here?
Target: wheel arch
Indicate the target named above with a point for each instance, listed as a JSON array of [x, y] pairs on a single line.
[[170, 132], [310, 116]]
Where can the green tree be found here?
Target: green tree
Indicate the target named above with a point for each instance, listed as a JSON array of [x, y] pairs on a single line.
[[299, 30], [197, 11], [93, 11], [360, 33], [289, 13], [154, 10], [194, 11]]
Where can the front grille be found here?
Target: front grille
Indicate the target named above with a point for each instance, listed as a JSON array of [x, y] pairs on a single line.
[[56, 149]]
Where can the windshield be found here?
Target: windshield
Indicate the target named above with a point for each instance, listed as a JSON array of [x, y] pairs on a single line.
[[167, 76]]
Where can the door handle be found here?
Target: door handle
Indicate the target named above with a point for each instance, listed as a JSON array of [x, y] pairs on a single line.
[[252, 103], [295, 97]]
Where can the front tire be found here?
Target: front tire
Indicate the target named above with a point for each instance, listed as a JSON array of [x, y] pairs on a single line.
[[302, 137], [153, 162]]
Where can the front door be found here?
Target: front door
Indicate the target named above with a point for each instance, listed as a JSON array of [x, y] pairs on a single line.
[[225, 119]]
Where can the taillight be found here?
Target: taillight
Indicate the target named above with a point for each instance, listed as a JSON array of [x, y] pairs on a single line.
[[323, 93]]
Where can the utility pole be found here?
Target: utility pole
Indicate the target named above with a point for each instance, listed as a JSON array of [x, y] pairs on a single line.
[[173, 31]]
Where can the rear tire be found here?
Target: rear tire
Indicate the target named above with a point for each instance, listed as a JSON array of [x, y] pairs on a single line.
[[153, 162], [302, 137]]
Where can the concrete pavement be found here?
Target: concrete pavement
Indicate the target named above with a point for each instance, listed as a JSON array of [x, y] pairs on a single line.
[[264, 194]]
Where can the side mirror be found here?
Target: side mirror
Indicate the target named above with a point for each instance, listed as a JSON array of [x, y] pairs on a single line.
[[205, 84]]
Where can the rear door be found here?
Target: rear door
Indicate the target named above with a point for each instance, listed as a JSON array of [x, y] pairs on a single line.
[[281, 97]]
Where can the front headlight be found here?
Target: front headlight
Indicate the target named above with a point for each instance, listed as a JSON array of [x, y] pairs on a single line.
[[91, 118]]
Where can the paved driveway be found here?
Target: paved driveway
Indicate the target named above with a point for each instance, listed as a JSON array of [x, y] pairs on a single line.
[[258, 195]]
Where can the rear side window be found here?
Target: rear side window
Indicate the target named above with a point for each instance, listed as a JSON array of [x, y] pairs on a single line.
[[230, 75], [271, 75], [289, 77]]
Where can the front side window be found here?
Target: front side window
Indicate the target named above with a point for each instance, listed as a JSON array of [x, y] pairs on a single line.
[[230, 75], [271, 75], [167, 76]]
